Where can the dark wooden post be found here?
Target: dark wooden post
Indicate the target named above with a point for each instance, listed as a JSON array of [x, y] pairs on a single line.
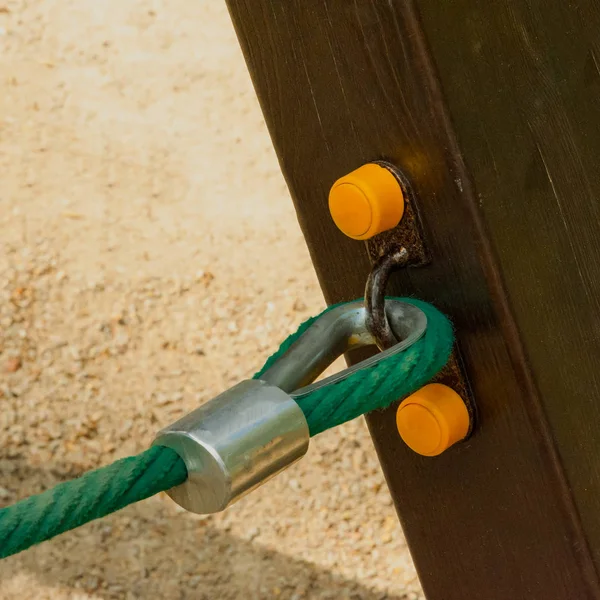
[[492, 109]]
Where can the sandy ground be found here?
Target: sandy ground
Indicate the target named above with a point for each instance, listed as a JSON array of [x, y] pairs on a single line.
[[149, 258]]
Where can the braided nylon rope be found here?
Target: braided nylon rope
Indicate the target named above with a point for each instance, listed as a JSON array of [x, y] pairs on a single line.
[[91, 496], [377, 386], [108, 489]]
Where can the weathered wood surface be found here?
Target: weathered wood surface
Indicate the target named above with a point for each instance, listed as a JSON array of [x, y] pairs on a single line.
[[515, 512]]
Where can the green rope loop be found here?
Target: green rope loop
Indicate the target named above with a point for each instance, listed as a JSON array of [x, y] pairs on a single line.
[[378, 386], [108, 489]]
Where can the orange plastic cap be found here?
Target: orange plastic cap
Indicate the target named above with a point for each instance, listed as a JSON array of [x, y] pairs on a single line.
[[432, 419], [366, 202]]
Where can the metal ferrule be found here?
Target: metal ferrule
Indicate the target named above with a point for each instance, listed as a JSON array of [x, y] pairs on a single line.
[[234, 443], [253, 431]]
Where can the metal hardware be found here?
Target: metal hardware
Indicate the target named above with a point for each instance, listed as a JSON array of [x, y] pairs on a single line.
[[234, 443], [408, 233], [253, 431], [377, 322], [338, 331]]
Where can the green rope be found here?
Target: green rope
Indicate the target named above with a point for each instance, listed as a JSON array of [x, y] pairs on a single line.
[[378, 386], [91, 496], [106, 490]]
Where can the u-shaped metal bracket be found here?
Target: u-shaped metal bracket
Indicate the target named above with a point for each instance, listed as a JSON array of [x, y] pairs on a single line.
[[336, 332]]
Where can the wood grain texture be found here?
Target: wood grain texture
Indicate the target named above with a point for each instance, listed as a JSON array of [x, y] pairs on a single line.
[[533, 69], [342, 83]]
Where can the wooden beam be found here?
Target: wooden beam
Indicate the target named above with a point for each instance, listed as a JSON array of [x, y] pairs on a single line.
[[342, 83]]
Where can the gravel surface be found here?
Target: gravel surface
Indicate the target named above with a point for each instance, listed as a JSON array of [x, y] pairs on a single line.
[[149, 258]]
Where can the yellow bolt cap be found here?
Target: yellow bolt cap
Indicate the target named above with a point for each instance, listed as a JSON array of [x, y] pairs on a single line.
[[366, 202], [432, 419]]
